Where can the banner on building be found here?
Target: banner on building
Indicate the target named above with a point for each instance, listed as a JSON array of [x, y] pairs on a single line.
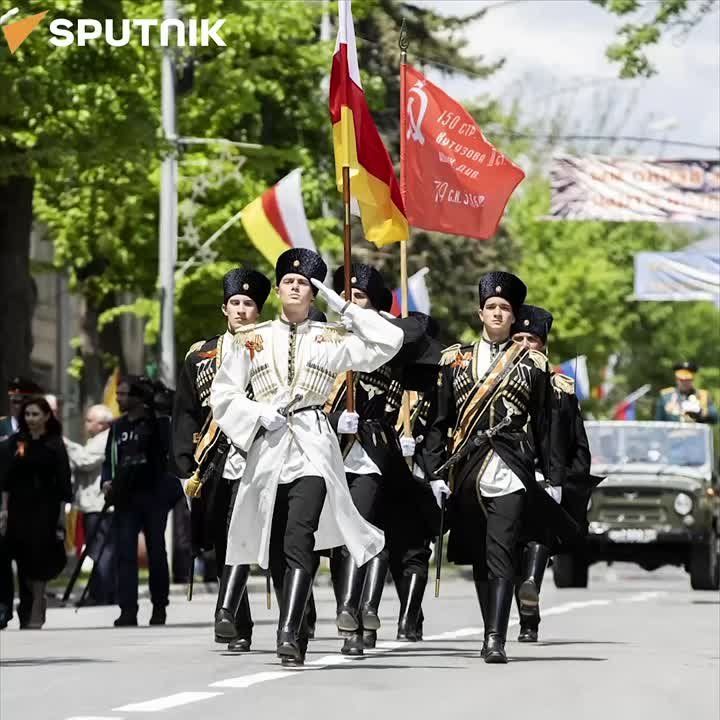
[[629, 190]]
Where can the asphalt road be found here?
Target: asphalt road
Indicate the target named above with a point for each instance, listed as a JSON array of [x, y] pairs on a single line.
[[635, 645]]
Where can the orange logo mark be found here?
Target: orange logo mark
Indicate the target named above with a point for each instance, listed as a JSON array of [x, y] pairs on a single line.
[[16, 33]]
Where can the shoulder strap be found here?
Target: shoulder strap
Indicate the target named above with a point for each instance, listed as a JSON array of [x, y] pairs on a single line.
[[484, 393]]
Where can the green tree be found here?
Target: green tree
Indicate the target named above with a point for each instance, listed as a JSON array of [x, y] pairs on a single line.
[[583, 273], [646, 29]]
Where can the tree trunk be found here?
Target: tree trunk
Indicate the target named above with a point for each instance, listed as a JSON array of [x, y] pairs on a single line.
[[17, 295]]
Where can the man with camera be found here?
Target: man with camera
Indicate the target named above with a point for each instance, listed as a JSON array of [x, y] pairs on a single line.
[[134, 481]]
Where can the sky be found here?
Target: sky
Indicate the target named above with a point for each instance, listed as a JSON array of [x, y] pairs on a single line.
[[555, 64]]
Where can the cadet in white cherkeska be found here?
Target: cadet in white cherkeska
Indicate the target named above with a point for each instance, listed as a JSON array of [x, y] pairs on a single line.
[[293, 499]]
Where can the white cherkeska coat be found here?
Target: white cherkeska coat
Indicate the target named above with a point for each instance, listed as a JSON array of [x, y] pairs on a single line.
[[261, 357]]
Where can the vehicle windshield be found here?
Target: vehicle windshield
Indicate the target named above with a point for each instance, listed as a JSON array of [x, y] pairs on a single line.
[[612, 444]]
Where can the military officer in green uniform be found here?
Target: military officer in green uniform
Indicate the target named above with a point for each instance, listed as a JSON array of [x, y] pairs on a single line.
[[685, 402]]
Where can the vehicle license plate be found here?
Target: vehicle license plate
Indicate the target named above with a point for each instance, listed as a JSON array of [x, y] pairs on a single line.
[[633, 535]]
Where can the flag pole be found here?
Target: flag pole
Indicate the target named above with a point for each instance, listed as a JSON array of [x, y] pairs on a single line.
[[347, 247], [403, 43]]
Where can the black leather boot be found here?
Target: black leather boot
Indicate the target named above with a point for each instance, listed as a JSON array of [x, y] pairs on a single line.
[[372, 591], [369, 639], [527, 634], [291, 639], [410, 609], [311, 616], [350, 587], [233, 584], [535, 560], [482, 589], [500, 599], [354, 644]]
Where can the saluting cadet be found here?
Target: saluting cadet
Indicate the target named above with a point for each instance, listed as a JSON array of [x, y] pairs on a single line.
[[488, 394], [685, 402], [374, 464], [244, 294], [293, 499], [570, 482]]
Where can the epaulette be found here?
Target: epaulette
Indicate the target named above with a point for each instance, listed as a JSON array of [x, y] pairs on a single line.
[[667, 390], [563, 383], [331, 332], [540, 359], [195, 347], [449, 354], [241, 334]]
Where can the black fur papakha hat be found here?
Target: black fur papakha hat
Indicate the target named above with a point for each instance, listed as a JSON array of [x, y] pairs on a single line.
[[244, 281], [534, 320], [504, 285], [301, 261], [366, 278]]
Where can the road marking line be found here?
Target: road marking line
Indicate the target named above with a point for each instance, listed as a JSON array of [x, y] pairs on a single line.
[[569, 607], [247, 680], [642, 597], [167, 702]]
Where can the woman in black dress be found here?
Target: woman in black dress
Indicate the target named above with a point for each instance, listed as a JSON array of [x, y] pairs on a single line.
[[35, 489]]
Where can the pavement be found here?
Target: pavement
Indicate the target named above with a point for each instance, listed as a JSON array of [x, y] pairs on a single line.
[[633, 646]]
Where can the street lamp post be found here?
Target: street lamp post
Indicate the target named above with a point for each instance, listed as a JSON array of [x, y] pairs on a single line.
[[168, 214]]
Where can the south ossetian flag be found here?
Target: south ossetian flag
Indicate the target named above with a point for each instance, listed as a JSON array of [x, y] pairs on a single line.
[[374, 188], [276, 220]]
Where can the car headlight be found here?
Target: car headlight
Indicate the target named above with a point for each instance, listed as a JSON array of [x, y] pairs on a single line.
[[683, 504]]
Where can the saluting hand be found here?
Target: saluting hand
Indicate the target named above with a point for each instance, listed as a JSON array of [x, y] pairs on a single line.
[[333, 300]]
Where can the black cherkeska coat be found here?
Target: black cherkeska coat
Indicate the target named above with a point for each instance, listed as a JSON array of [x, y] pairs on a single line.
[[190, 413], [524, 398]]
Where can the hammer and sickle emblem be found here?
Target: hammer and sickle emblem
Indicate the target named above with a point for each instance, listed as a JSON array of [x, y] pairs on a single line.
[[415, 129]]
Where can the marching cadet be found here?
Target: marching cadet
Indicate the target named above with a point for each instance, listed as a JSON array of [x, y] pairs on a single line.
[[488, 395], [244, 294], [685, 402], [416, 517], [293, 499], [374, 464], [570, 482]]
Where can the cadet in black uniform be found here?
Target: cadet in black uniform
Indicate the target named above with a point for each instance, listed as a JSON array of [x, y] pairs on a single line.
[[488, 393], [374, 462], [244, 294]]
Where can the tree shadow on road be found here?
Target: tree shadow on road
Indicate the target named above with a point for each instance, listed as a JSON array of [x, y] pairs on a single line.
[[35, 662], [550, 643]]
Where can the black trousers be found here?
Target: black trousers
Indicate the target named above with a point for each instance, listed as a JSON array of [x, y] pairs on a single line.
[[503, 520], [368, 496], [295, 520], [147, 513]]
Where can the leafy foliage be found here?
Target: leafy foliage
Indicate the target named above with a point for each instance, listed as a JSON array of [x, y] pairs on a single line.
[[678, 16]]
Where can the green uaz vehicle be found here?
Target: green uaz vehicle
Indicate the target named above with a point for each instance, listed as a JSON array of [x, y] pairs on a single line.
[[659, 504]]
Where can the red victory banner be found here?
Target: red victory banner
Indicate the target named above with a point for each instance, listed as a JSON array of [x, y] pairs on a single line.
[[452, 179]]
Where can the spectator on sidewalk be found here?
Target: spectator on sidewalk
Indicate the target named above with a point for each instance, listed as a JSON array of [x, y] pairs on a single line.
[[134, 480], [35, 489], [18, 389], [86, 463]]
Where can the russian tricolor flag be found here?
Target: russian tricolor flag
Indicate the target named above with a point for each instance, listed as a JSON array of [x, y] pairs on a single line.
[[627, 408], [418, 295], [578, 371]]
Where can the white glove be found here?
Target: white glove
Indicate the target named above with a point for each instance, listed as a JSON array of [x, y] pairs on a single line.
[[691, 405], [346, 322], [407, 445], [348, 423], [333, 300], [439, 488], [555, 492], [271, 419]]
